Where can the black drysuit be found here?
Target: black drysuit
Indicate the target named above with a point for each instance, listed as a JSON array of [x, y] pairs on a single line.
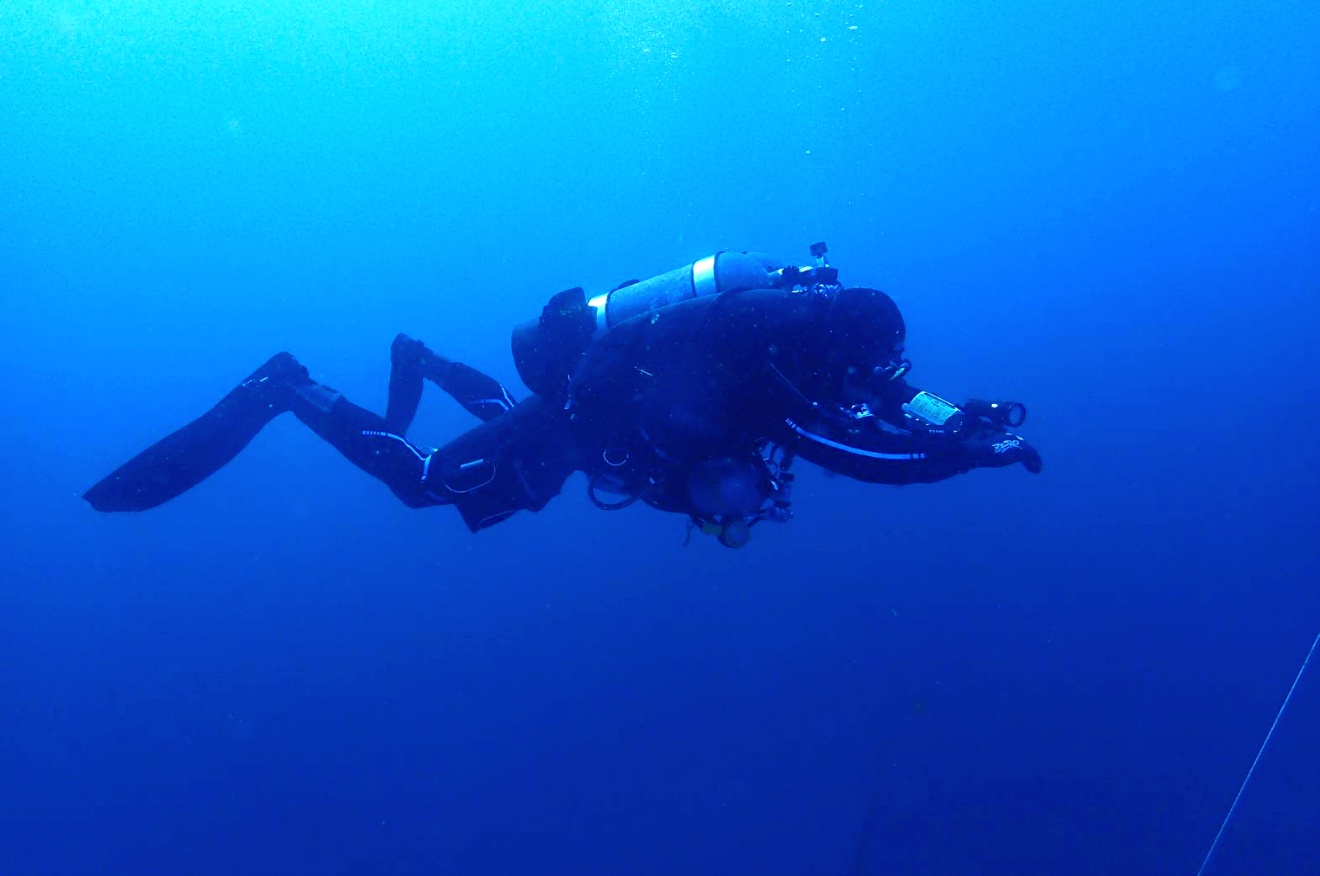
[[650, 400]]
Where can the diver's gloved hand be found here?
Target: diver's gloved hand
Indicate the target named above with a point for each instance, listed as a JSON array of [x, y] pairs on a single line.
[[997, 448]]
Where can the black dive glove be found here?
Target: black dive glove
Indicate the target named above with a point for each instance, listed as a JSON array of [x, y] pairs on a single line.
[[988, 439], [978, 431], [995, 448]]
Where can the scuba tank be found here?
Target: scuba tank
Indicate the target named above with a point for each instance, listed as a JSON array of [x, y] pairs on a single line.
[[545, 350], [722, 272]]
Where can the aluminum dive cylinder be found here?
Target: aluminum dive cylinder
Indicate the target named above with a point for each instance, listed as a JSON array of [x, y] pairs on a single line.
[[713, 275], [546, 349]]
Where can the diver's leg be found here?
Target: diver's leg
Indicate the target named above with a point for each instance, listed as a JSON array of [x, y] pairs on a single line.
[[515, 462], [480, 394], [368, 442], [187, 457], [511, 463]]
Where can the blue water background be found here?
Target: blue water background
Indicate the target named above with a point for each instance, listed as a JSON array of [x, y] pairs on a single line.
[[1110, 211]]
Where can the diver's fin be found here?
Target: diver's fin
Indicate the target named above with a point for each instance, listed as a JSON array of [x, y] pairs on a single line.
[[411, 360], [187, 457], [407, 359]]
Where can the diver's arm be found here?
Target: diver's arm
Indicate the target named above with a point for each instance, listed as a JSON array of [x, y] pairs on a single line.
[[979, 429], [870, 454], [862, 448]]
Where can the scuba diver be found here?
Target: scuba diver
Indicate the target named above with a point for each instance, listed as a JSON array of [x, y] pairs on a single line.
[[692, 392]]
